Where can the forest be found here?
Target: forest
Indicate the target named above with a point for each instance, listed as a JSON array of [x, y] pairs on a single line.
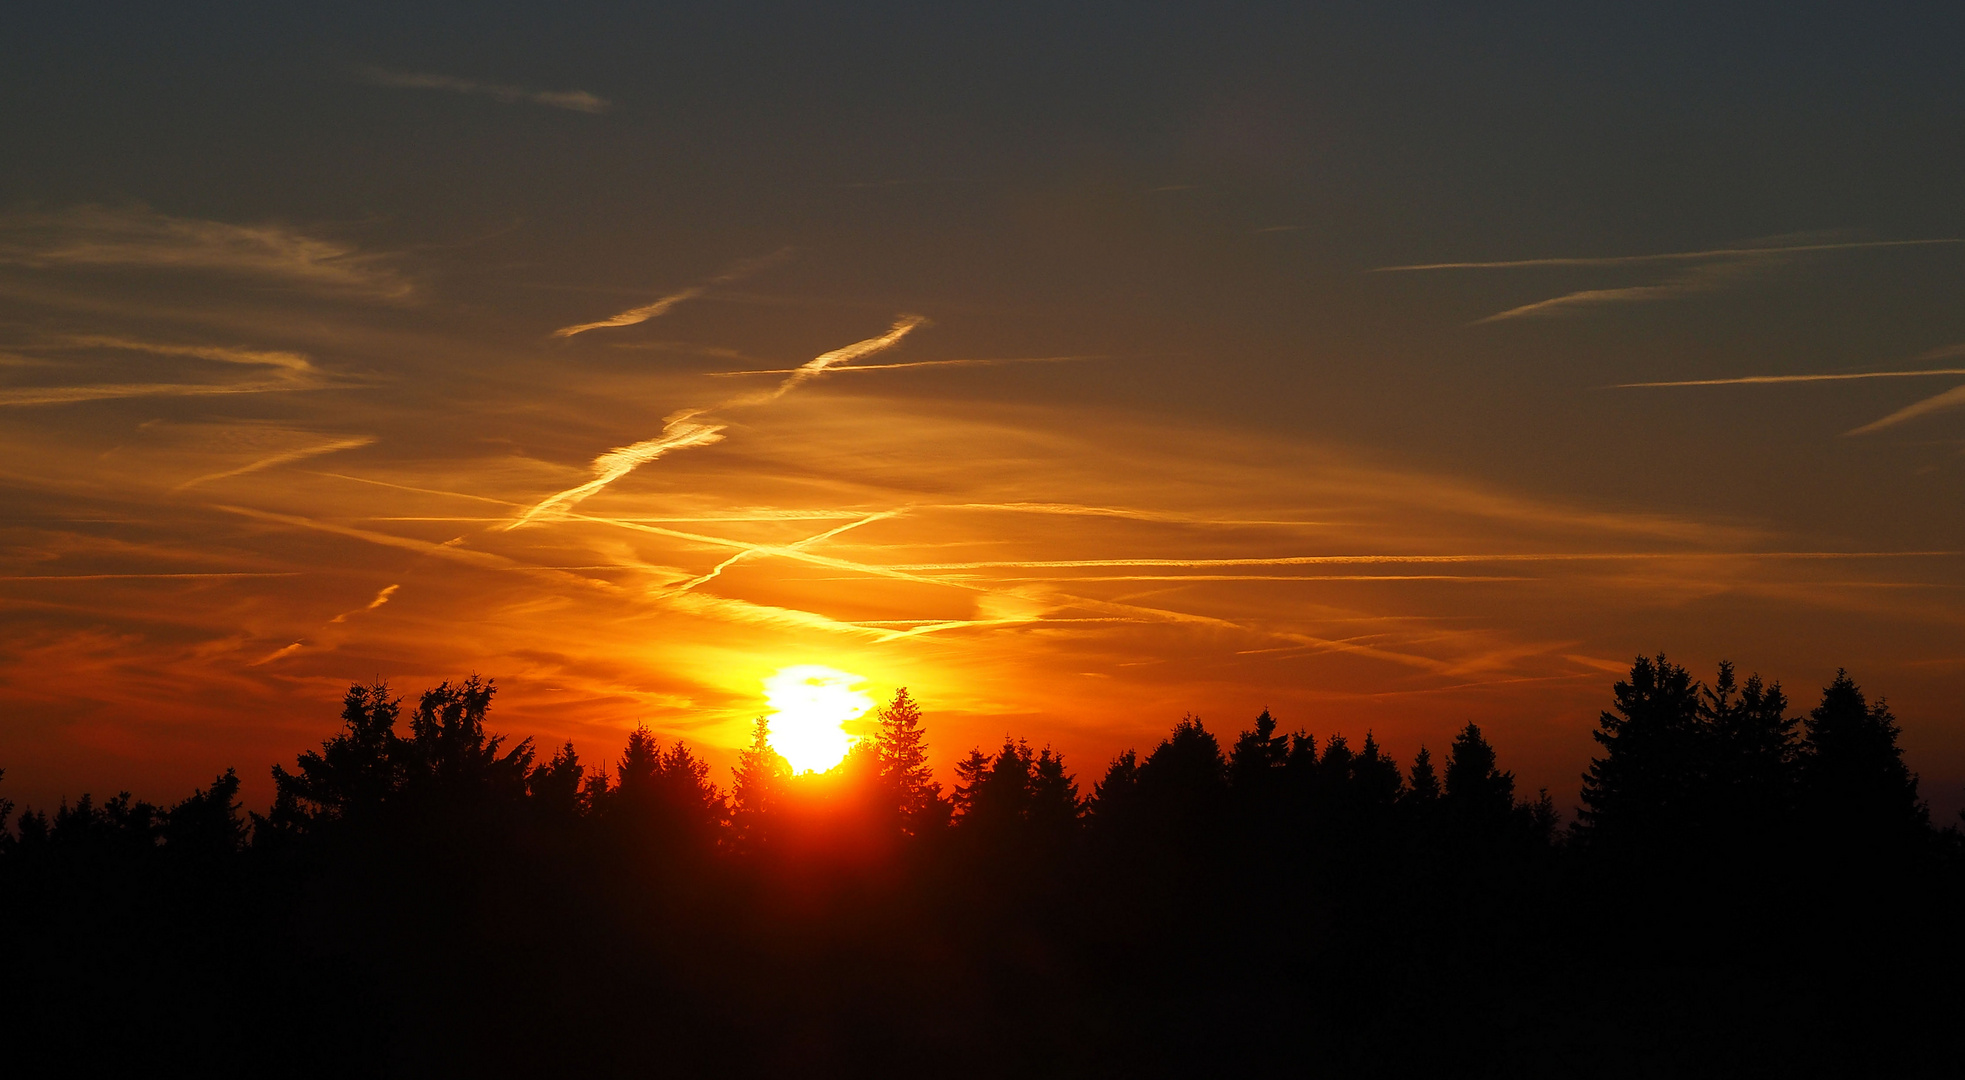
[[1746, 888]]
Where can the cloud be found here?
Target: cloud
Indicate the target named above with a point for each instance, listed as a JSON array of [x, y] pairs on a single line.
[[633, 315], [1711, 270], [972, 362], [575, 100], [660, 307], [1705, 278], [95, 237], [282, 458], [292, 371], [1674, 256], [1754, 380], [381, 598], [1953, 398], [680, 431]]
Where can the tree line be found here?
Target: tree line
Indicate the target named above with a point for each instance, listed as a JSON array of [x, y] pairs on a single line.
[[1743, 887]]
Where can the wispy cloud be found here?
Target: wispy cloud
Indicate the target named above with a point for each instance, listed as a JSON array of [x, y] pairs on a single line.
[[968, 362], [1706, 255], [681, 431], [1953, 398], [282, 458], [381, 598], [1706, 271], [1756, 380], [634, 315], [291, 371], [575, 100], [659, 307], [96, 237], [1694, 280]]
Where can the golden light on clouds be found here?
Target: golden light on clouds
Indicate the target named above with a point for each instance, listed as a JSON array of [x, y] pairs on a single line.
[[810, 707], [194, 576]]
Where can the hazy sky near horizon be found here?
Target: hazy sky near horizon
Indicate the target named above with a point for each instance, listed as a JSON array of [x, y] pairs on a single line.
[[1387, 366]]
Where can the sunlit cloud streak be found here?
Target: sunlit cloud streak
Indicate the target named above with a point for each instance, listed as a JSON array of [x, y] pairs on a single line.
[[1316, 560], [1675, 256], [95, 237], [800, 545], [381, 597], [1953, 398], [1751, 380], [635, 315], [976, 362], [660, 307], [574, 100], [293, 371], [282, 458], [680, 431], [1710, 271]]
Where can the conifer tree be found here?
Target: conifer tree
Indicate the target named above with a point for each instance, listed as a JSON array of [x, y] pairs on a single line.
[[757, 785], [901, 747], [1855, 786], [1423, 786], [1643, 791]]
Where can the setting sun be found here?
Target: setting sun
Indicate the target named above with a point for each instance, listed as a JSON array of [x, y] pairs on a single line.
[[810, 706]]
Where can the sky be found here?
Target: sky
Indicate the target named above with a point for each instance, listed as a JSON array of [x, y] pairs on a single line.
[[1078, 367]]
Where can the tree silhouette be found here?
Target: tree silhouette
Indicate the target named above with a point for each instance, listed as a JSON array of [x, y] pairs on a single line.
[[757, 787], [1750, 757], [352, 774], [1642, 794], [555, 786], [1479, 795], [449, 751], [901, 749], [1855, 787], [664, 794], [1423, 784], [207, 826]]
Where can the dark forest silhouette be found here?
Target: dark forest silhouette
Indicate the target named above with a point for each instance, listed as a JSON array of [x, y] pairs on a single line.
[[1744, 890]]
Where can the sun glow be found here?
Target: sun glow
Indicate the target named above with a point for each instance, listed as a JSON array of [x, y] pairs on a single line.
[[810, 707]]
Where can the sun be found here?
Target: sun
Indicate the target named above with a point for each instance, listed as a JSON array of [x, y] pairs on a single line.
[[810, 707]]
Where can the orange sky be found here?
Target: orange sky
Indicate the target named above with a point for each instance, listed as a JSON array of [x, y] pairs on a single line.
[[1071, 440]]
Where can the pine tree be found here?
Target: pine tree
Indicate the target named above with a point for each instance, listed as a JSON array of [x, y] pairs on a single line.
[[353, 774], [1644, 792], [1423, 787], [1478, 793], [757, 786], [207, 826], [1855, 787], [901, 748], [1751, 757], [555, 786]]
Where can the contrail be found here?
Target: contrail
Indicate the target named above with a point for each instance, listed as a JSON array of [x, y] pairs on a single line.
[[1953, 398], [280, 459], [575, 100], [658, 308], [381, 598], [680, 431], [976, 362], [1747, 380], [1674, 256], [634, 315]]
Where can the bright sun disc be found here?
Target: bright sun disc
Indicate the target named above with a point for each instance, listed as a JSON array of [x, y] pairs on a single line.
[[810, 706]]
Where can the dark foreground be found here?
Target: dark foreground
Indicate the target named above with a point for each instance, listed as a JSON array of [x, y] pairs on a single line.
[[1745, 893]]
